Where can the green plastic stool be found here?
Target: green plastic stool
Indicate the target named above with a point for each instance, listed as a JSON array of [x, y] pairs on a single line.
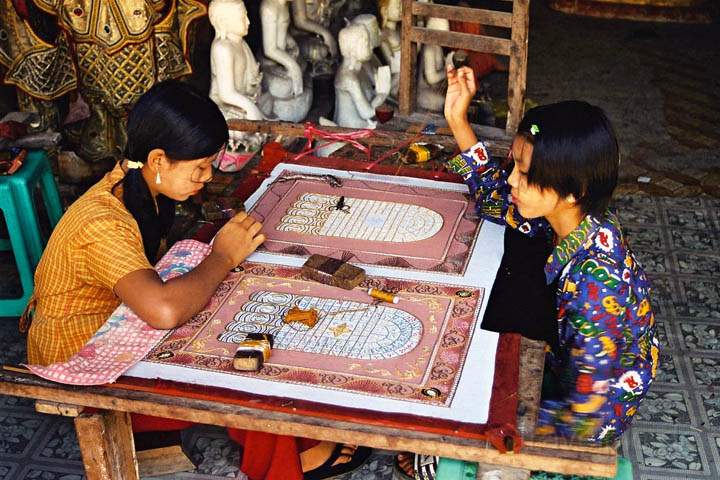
[[449, 469], [18, 208]]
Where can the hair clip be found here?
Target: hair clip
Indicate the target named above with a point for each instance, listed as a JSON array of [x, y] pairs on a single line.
[[133, 165], [534, 129]]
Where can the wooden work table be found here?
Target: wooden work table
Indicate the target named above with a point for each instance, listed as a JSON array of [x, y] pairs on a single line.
[[108, 452]]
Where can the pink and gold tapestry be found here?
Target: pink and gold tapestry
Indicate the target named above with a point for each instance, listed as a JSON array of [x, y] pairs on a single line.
[[414, 350], [423, 227]]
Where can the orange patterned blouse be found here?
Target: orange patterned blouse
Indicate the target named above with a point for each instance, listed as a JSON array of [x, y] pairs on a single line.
[[96, 243]]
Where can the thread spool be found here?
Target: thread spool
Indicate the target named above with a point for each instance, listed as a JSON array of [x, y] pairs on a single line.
[[262, 346], [384, 296]]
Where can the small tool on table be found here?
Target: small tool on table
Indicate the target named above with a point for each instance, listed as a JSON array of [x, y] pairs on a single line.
[[253, 352]]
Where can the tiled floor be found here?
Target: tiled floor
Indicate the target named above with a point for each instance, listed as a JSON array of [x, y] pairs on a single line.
[[675, 436]]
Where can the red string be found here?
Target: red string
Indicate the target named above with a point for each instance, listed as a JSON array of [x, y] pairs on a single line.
[[311, 132]]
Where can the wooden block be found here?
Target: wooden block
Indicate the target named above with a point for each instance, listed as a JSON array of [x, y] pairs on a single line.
[[55, 408], [163, 461], [332, 271], [253, 352]]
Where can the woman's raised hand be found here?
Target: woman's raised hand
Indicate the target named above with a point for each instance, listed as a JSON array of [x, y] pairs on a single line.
[[461, 90], [238, 238]]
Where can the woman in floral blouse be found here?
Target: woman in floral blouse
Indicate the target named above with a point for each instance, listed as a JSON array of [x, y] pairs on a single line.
[[561, 171]]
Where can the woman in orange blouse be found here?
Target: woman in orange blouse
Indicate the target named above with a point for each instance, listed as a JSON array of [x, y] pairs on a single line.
[[102, 250]]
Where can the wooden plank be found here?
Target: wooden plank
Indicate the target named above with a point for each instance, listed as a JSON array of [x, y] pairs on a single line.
[[55, 408], [493, 18], [548, 458], [163, 461], [497, 140], [408, 59], [107, 446], [462, 41], [517, 71]]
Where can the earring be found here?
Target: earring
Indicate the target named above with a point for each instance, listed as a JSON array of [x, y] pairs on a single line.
[[157, 178]]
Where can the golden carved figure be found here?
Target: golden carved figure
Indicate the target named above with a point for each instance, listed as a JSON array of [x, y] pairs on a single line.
[[110, 51]]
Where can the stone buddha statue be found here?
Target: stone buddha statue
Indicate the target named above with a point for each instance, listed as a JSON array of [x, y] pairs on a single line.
[[317, 44], [432, 78], [235, 74], [370, 67], [390, 17], [355, 100], [290, 94]]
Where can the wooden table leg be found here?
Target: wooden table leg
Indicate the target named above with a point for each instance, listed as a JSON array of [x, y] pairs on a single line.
[[107, 446]]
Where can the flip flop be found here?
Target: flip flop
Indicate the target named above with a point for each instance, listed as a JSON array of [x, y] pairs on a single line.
[[328, 470], [425, 467]]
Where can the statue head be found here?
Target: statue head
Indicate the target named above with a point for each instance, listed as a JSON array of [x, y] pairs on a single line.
[[390, 11], [434, 23], [371, 25], [354, 43], [228, 16]]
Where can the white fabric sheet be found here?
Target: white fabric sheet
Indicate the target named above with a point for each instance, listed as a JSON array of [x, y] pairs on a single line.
[[472, 398]]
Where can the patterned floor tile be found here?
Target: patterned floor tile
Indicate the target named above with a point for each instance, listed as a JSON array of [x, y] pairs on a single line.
[[643, 238], [697, 240], [698, 219], [60, 443], [636, 209], [7, 470], [49, 473], [16, 403], [710, 408], [18, 431], [666, 341], [665, 407], [700, 336], [697, 264], [703, 299], [662, 293], [653, 261], [670, 452], [668, 371], [705, 371]]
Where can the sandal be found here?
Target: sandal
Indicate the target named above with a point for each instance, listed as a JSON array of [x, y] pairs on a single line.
[[423, 466], [357, 455]]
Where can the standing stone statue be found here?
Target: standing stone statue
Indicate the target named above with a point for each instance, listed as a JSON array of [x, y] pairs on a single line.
[[355, 102], [290, 93], [235, 74]]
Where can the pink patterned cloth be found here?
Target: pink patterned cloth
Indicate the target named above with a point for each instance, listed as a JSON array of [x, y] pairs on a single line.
[[124, 339]]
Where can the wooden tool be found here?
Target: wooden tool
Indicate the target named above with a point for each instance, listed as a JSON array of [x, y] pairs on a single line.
[[253, 352], [332, 271]]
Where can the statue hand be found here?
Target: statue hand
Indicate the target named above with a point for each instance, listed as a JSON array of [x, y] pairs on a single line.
[[297, 81], [331, 44], [383, 80], [291, 47]]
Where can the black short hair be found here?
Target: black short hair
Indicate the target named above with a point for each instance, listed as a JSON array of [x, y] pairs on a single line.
[[575, 151], [184, 123]]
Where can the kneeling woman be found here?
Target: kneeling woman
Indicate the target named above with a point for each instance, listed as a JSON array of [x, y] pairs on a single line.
[[101, 253]]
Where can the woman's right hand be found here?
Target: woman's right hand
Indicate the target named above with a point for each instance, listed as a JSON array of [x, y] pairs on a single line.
[[461, 90], [238, 238]]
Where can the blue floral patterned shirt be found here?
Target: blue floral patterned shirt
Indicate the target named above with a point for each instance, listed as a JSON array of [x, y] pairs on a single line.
[[608, 352]]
